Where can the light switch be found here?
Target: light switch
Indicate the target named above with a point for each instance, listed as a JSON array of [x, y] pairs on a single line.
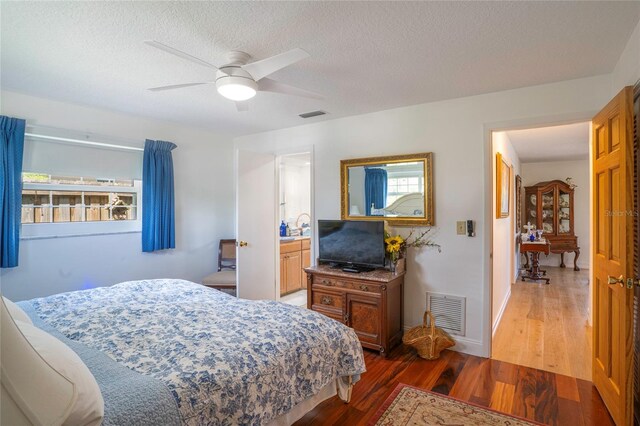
[[461, 227]]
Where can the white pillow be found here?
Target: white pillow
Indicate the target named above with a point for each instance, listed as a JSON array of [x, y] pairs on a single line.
[[89, 406], [32, 391], [16, 312]]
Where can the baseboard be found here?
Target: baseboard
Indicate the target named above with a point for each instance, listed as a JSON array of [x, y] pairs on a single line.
[[501, 312], [464, 345]]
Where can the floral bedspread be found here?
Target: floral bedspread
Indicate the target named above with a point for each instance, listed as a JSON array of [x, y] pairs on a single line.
[[227, 361]]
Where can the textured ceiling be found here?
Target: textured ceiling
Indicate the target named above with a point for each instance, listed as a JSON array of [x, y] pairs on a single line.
[[365, 56], [557, 143]]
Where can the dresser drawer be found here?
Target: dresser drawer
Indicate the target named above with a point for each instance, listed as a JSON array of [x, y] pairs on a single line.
[[338, 316], [322, 283], [330, 282], [327, 300], [290, 246], [564, 245]]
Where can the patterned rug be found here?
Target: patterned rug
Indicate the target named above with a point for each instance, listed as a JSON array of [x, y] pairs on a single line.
[[412, 406]]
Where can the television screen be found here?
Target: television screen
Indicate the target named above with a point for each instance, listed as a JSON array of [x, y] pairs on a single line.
[[360, 243]]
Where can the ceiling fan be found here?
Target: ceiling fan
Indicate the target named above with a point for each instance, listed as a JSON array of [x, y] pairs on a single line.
[[239, 79]]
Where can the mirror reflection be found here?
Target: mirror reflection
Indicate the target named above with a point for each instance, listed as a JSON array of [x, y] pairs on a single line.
[[388, 190], [395, 188]]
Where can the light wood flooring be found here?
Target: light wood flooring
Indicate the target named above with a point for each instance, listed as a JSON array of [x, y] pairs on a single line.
[[545, 397], [546, 326]]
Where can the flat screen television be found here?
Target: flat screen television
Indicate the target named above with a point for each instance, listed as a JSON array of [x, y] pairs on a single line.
[[356, 244]]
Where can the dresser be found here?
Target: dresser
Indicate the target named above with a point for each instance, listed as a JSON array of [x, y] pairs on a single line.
[[369, 302], [549, 205]]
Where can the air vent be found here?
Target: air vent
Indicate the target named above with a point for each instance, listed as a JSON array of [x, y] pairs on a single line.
[[312, 114], [449, 312]]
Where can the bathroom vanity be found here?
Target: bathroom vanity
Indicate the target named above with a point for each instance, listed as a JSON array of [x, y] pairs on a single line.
[[295, 255]]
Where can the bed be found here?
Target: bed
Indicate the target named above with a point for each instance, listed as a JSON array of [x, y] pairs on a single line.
[[174, 352]]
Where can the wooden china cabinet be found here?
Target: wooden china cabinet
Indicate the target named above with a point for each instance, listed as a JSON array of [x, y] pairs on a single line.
[[549, 206]]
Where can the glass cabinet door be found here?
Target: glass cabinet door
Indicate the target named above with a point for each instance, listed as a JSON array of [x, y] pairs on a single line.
[[532, 210], [548, 214], [564, 212]]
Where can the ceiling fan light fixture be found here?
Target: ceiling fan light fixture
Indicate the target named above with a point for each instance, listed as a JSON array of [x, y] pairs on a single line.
[[236, 88]]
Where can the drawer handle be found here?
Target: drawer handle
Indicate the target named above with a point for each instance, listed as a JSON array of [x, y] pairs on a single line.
[[327, 300], [364, 287], [326, 282]]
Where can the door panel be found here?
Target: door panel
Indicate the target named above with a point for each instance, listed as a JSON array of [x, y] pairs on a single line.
[[283, 274], [294, 265], [256, 224], [364, 317], [613, 240], [306, 262]]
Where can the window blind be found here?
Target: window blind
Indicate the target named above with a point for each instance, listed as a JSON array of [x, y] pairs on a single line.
[[75, 159]]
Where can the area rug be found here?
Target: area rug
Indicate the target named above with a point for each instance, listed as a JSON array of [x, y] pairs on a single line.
[[412, 406]]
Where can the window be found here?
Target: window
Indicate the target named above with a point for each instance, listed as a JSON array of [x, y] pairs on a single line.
[[65, 206], [399, 186], [64, 199]]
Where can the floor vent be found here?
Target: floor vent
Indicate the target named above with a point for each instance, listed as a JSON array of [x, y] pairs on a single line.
[[312, 114], [449, 312]]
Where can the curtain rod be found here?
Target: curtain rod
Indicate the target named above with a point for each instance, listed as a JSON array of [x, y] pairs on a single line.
[[83, 142]]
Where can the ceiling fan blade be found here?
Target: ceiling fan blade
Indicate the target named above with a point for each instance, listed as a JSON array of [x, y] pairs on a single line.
[[264, 67], [179, 53], [242, 106], [268, 85], [176, 86]]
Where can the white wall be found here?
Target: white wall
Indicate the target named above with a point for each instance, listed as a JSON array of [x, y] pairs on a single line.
[[204, 188], [578, 170], [356, 191], [627, 70], [296, 185], [457, 132], [505, 255]]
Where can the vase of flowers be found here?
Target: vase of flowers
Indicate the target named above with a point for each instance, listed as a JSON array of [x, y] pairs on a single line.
[[396, 247]]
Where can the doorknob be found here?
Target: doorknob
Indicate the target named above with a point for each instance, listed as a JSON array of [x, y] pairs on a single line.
[[613, 280], [243, 243]]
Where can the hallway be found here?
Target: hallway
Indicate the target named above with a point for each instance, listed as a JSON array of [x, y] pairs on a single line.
[[546, 326]]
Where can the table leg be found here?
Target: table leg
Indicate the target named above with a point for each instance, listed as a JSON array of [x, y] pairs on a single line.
[[562, 265], [535, 273], [575, 260]]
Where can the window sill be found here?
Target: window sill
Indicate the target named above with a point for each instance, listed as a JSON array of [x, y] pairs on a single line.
[[78, 229], [93, 234]]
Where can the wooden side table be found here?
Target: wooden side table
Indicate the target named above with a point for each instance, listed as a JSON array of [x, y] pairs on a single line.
[[535, 248], [371, 303]]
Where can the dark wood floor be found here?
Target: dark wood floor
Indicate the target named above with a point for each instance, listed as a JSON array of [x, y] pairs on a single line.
[[534, 394]]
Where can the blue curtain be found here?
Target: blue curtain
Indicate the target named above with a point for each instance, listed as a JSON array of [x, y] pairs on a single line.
[[375, 189], [158, 204], [11, 150]]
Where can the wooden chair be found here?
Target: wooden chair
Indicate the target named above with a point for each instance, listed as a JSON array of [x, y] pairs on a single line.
[[225, 278]]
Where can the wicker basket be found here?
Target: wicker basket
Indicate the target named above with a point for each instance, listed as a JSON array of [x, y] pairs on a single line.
[[427, 339]]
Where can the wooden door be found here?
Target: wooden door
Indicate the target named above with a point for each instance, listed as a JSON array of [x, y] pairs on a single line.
[[283, 274], [306, 262], [613, 255], [293, 266], [364, 316]]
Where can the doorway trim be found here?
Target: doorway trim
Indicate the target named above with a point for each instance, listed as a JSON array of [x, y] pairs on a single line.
[[278, 155], [488, 130]]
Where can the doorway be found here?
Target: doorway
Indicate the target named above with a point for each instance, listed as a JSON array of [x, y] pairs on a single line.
[[546, 187], [294, 229]]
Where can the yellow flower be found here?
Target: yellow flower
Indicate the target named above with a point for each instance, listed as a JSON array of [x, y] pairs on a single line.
[[394, 244]]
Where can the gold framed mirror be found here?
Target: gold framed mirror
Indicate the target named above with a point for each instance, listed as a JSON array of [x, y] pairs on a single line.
[[398, 189]]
